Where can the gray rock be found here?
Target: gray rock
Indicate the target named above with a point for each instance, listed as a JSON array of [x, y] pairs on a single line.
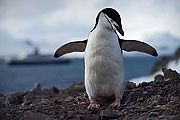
[[130, 85], [28, 115], [88, 117], [153, 114], [54, 90], [1, 95], [143, 84], [159, 77], [2, 102], [36, 89], [70, 115], [112, 114], [15, 98]]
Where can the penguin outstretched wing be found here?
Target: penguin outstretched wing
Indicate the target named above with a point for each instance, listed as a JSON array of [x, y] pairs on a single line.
[[126, 45], [134, 45], [77, 46]]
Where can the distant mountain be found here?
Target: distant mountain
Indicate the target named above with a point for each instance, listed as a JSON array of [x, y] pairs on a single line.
[[12, 47], [164, 43], [166, 60]]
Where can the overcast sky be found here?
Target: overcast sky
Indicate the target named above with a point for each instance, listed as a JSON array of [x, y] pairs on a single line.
[[55, 22]]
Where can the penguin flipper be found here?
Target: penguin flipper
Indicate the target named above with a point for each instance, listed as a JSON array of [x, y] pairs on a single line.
[[134, 45], [77, 46]]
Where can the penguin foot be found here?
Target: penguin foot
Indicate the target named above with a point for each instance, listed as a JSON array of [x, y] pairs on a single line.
[[93, 105], [116, 103]]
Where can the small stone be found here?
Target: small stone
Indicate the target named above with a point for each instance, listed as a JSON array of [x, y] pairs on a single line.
[[70, 115], [36, 89], [2, 105], [28, 115], [88, 117], [1, 95], [153, 114], [109, 114], [29, 97], [143, 84], [145, 92], [169, 73], [158, 77], [149, 119], [54, 90], [140, 99], [130, 85], [69, 98], [94, 111], [15, 98]]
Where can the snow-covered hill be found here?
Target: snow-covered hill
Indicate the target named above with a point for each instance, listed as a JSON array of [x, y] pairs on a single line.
[[164, 43], [174, 65]]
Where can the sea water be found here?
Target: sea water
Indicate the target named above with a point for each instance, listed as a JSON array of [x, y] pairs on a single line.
[[23, 77]]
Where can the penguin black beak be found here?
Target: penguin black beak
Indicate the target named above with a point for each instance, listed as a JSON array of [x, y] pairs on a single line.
[[119, 29]]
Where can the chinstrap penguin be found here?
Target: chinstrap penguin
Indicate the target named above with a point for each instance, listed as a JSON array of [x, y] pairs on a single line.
[[104, 66]]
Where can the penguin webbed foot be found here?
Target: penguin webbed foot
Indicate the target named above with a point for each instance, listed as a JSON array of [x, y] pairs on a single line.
[[93, 105], [116, 103]]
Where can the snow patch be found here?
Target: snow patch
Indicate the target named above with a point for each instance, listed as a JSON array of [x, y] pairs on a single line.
[[174, 65]]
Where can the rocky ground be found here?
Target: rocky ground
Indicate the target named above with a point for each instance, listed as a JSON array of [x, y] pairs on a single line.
[[156, 100]]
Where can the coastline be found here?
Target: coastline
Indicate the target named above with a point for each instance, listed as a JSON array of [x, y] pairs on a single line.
[[158, 99]]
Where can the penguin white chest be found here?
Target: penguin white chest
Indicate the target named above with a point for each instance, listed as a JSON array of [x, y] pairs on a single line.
[[104, 67]]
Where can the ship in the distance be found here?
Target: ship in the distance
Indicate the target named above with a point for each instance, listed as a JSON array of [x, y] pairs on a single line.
[[37, 59]]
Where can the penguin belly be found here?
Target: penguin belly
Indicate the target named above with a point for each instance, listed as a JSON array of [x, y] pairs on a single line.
[[104, 67]]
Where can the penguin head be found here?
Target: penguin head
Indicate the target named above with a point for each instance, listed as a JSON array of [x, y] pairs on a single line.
[[111, 19]]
